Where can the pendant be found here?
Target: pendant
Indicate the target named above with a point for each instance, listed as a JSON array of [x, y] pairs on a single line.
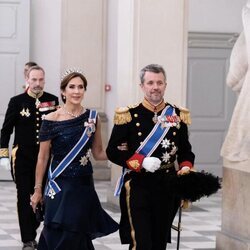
[[155, 118]]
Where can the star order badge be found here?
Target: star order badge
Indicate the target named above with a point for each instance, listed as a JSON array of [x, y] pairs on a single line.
[[83, 161]]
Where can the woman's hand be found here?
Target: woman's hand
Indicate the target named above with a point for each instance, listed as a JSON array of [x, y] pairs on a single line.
[[36, 198]]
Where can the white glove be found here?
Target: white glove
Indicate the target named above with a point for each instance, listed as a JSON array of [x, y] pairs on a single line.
[[151, 164], [185, 168], [5, 163]]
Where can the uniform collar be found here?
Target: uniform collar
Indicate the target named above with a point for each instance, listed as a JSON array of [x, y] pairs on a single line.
[[31, 94], [152, 107]]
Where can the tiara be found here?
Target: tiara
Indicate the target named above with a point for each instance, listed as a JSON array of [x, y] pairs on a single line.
[[70, 71]]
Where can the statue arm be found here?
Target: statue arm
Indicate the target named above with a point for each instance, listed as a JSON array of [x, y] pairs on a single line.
[[238, 64]]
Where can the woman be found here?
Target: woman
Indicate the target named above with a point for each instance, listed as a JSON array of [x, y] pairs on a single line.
[[73, 214]]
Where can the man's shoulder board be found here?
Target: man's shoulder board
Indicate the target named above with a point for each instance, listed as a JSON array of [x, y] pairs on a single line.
[[122, 116], [184, 114], [133, 106]]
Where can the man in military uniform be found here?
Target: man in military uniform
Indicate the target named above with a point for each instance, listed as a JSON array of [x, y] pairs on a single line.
[[146, 141], [24, 116]]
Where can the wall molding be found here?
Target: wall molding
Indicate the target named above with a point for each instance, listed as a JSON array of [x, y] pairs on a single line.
[[211, 40]]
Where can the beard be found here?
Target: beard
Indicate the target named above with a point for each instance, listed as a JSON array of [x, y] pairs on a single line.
[[155, 97], [36, 90]]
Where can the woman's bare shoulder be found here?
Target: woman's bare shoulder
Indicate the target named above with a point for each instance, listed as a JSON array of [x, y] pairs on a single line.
[[53, 116]]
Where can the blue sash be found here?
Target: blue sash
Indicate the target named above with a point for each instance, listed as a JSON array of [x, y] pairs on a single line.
[[52, 187], [156, 135], [150, 143]]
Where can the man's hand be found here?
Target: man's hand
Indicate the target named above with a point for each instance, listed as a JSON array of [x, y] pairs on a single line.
[[185, 204], [123, 146], [151, 164], [5, 163], [184, 170]]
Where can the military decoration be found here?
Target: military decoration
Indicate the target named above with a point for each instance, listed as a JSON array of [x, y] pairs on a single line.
[[155, 118], [165, 157], [51, 193], [170, 148], [25, 112], [37, 103], [45, 106], [170, 121], [165, 143], [90, 126], [84, 159]]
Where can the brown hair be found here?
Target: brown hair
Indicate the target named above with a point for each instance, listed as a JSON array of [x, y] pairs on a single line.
[[69, 77]]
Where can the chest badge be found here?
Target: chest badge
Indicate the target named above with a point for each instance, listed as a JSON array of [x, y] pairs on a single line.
[[25, 112], [37, 103]]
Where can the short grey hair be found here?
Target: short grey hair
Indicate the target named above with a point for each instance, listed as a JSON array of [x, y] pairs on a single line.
[[36, 67], [155, 68]]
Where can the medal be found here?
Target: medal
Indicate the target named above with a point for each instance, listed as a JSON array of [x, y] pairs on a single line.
[[25, 112], [155, 118], [37, 103]]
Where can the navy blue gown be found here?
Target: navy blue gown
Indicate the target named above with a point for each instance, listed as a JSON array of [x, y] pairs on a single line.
[[74, 217]]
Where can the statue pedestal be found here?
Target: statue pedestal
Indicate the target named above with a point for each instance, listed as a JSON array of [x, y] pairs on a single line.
[[235, 229]]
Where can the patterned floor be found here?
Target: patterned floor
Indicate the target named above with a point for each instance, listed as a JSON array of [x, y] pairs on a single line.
[[200, 222]]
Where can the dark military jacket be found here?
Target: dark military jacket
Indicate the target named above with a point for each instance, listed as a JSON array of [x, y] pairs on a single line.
[[132, 126], [24, 116]]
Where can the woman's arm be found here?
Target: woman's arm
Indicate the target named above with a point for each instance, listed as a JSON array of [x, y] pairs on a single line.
[[41, 166], [97, 148]]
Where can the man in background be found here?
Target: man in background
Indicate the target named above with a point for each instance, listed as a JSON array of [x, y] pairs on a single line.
[[27, 66], [24, 116]]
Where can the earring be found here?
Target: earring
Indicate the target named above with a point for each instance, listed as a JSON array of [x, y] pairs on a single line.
[[64, 97]]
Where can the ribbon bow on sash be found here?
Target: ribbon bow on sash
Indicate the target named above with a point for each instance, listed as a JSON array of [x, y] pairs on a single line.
[[52, 187]]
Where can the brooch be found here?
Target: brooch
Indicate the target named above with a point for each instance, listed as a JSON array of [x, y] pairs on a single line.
[[90, 125]]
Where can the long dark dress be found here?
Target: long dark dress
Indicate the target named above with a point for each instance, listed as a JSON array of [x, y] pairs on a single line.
[[74, 216]]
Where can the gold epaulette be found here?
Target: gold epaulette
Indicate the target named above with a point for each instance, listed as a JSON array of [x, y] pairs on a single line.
[[185, 115], [122, 116], [133, 106], [4, 152]]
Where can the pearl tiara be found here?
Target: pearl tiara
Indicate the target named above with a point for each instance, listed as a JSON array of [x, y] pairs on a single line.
[[70, 71]]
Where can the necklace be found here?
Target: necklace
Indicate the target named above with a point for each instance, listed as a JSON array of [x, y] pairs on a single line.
[[71, 114]]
